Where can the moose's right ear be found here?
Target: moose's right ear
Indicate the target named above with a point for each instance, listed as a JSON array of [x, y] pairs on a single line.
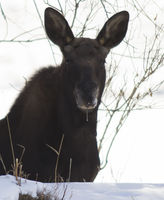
[[57, 28]]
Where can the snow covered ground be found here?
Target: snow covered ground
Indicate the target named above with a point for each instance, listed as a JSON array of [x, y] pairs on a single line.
[[9, 190]]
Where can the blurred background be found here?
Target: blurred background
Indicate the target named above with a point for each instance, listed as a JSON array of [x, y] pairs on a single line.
[[130, 120]]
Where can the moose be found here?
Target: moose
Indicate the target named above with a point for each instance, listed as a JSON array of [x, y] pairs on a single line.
[[54, 118]]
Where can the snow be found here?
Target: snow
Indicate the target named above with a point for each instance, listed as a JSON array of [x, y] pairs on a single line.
[[10, 189]]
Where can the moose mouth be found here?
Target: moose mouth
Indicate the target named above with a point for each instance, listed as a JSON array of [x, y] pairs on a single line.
[[86, 103], [89, 107]]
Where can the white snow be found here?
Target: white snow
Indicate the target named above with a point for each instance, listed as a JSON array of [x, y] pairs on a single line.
[[9, 190]]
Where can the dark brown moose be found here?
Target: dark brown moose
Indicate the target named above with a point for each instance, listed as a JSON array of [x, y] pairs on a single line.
[[61, 103]]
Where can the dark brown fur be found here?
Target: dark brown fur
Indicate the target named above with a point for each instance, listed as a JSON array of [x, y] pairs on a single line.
[[55, 103]]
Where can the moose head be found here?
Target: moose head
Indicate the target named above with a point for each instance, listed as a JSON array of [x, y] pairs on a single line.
[[84, 58]]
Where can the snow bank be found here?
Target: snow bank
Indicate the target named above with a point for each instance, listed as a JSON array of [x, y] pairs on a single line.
[[9, 190]]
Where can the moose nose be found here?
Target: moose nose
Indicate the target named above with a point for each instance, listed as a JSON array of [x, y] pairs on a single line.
[[87, 87], [86, 95]]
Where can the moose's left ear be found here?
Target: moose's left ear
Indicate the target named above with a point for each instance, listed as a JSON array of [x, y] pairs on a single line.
[[114, 30]]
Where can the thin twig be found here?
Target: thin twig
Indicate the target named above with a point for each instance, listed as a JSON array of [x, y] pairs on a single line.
[[58, 156], [11, 142], [41, 21], [4, 167]]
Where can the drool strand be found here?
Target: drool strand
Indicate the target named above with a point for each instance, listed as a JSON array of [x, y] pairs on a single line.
[[87, 115]]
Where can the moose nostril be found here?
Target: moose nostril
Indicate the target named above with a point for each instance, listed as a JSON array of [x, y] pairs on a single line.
[[89, 104], [93, 103]]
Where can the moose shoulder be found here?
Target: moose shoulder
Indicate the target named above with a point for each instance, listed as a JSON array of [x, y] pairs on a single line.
[[61, 103]]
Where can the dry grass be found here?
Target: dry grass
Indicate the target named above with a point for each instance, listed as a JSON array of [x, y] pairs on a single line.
[[44, 195], [19, 174], [40, 196], [57, 161], [17, 164]]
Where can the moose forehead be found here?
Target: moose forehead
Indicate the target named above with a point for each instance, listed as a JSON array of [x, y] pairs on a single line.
[[85, 48]]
